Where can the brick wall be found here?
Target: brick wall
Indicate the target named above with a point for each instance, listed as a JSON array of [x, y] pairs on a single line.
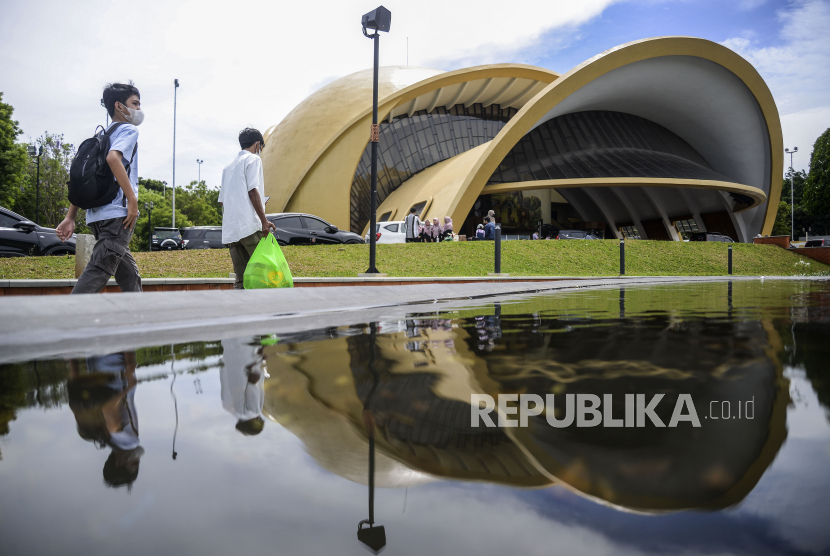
[[780, 241], [821, 254]]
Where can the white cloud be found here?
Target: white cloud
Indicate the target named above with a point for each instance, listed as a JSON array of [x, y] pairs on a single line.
[[797, 72], [238, 64]]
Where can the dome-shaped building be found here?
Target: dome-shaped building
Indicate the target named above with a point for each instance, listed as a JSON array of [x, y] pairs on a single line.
[[651, 139]]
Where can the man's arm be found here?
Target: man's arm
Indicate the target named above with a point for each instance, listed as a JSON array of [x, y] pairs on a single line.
[[66, 228], [267, 226], [120, 173]]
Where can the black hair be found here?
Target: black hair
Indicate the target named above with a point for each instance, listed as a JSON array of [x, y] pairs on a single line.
[[412, 210], [249, 136], [251, 427], [486, 218], [118, 92], [117, 472]]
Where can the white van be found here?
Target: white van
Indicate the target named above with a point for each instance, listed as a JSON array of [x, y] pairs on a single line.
[[390, 232]]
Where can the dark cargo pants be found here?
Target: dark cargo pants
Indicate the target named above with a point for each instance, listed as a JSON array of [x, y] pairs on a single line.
[[110, 257], [241, 252]]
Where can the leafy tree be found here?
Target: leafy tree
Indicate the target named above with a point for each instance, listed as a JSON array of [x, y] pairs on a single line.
[[13, 157], [54, 175], [155, 185], [162, 216], [782, 220], [200, 204], [817, 193]]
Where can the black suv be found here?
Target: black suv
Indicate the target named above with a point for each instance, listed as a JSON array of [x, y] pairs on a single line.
[[202, 237], [294, 228], [20, 237], [710, 236], [166, 239]]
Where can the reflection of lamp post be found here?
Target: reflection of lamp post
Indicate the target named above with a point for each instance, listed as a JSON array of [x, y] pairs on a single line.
[[149, 208], [34, 152], [378, 19], [792, 190], [373, 536], [175, 89], [199, 162]]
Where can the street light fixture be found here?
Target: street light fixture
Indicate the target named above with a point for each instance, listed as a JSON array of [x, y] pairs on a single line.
[[199, 162], [379, 19], [164, 189], [175, 89], [149, 208], [792, 191], [35, 153]]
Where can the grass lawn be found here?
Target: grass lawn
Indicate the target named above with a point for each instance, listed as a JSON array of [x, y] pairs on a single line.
[[475, 258]]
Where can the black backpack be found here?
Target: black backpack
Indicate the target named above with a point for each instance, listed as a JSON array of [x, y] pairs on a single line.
[[91, 182]]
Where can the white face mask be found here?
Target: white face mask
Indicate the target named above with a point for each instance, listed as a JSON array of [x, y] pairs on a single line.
[[133, 116]]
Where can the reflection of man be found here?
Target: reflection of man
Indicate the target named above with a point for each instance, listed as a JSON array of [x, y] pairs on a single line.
[[242, 384], [103, 402]]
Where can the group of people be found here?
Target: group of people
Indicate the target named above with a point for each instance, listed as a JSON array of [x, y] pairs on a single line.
[[487, 230], [426, 231]]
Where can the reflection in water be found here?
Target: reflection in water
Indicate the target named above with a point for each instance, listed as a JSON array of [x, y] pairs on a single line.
[[103, 402], [242, 384], [419, 377]]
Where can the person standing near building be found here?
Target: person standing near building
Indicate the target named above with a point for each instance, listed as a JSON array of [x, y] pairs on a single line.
[[490, 227], [413, 226], [243, 215]]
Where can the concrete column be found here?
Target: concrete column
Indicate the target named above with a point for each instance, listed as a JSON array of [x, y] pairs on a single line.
[[83, 251]]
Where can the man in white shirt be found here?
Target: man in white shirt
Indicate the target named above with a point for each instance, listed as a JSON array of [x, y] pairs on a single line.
[[412, 225], [243, 384], [243, 216]]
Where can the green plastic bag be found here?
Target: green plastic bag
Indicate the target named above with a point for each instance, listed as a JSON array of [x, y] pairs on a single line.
[[267, 267]]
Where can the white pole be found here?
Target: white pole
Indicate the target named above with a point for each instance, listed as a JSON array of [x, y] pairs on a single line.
[[175, 89]]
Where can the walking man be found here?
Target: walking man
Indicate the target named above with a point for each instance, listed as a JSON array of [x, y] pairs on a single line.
[[243, 216], [112, 224], [413, 226]]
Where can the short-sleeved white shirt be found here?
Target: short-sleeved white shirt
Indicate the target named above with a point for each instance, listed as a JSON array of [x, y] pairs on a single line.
[[123, 139], [239, 219]]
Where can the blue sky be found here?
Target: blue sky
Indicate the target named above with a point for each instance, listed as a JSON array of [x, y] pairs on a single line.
[[250, 63]]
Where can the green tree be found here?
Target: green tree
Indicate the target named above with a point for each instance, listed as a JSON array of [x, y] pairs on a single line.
[[200, 204], [162, 216], [155, 185], [817, 191], [13, 157], [782, 220], [54, 175]]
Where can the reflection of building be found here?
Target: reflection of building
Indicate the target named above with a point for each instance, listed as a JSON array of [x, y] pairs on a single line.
[[651, 138], [417, 382]]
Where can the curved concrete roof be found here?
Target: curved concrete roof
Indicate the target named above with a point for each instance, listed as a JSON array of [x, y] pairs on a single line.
[[321, 141]]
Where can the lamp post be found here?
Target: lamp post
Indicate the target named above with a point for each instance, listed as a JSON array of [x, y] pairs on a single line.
[[35, 153], [175, 90], [792, 191], [149, 208], [379, 20], [199, 162], [164, 189]]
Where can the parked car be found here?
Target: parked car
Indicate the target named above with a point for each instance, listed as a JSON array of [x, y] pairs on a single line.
[[575, 234], [816, 243], [389, 232], [20, 236], [202, 237], [294, 228], [710, 236], [166, 239]]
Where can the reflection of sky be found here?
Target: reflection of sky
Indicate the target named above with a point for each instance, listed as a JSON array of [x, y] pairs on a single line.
[[231, 494]]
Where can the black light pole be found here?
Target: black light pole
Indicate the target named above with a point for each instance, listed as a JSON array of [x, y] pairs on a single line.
[[149, 208], [175, 90], [792, 191], [34, 152], [378, 19]]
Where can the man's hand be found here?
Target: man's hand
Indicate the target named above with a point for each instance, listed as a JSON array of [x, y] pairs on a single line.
[[132, 213], [65, 229], [267, 226]]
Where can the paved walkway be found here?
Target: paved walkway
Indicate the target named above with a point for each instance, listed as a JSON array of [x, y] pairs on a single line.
[[47, 326]]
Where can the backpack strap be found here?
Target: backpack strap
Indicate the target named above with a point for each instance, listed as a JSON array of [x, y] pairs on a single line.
[[127, 168]]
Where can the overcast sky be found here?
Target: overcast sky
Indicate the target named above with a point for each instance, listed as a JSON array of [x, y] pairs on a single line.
[[249, 63]]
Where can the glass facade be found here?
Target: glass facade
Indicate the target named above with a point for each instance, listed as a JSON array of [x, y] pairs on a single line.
[[408, 145], [602, 144]]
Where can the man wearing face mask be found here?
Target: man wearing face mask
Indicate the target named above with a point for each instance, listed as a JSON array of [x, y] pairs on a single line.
[[241, 197], [113, 223]]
